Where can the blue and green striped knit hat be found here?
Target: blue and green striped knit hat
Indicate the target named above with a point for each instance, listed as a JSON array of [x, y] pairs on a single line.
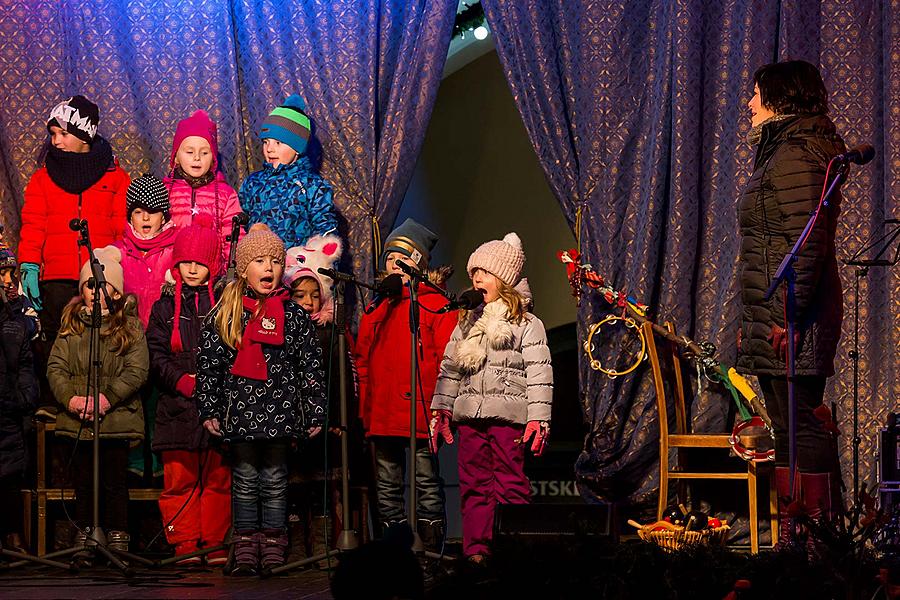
[[289, 124]]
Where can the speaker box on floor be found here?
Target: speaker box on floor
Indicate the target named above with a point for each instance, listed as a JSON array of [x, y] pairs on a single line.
[[546, 521]]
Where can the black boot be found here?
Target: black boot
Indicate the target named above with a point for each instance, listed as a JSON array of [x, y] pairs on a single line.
[[787, 528], [818, 491], [432, 534]]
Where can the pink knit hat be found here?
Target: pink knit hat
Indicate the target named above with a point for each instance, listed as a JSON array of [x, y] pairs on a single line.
[[198, 243], [201, 125], [502, 258]]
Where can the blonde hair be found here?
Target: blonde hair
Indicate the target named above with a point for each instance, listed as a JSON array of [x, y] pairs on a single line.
[[514, 300], [229, 312], [120, 333]]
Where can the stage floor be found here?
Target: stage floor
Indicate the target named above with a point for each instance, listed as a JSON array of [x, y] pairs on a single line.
[[29, 583]]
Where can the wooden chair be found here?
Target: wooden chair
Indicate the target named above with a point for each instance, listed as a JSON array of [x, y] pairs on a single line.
[[681, 439], [43, 494]]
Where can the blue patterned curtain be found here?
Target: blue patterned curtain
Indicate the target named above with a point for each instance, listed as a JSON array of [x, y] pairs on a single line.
[[369, 71], [637, 111]]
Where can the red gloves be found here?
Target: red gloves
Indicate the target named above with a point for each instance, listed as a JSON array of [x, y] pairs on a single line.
[[83, 406], [440, 428], [77, 405], [541, 432], [778, 339], [185, 385]]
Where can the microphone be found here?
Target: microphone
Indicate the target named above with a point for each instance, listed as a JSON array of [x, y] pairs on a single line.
[[859, 155], [389, 287], [411, 271], [241, 218], [468, 300], [77, 224], [335, 274]]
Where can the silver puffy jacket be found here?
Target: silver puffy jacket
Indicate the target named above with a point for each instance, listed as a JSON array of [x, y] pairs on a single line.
[[496, 369]]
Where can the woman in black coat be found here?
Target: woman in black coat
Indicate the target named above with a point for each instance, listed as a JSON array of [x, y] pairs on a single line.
[[795, 140]]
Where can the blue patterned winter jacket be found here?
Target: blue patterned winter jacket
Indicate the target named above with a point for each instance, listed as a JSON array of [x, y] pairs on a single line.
[[293, 200], [288, 403]]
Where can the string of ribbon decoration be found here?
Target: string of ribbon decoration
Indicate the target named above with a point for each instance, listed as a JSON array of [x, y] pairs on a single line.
[[633, 315]]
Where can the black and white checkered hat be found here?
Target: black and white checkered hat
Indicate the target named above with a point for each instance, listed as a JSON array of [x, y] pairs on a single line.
[[149, 193]]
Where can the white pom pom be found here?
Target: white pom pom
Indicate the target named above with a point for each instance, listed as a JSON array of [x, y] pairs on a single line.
[[513, 240]]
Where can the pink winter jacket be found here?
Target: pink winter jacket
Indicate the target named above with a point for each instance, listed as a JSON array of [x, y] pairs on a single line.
[[144, 263], [217, 199]]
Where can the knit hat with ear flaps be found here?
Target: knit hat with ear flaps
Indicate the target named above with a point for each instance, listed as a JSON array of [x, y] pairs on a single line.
[[199, 243], [289, 124], [111, 259], [502, 258], [149, 193], [413, 240], [77, 116], [198, 124], [259, 241]]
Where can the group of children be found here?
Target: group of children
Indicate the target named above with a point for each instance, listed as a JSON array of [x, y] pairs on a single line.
[[238, 368]]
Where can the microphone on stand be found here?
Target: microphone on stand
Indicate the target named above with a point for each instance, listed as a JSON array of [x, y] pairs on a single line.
[[241, 218], [859, 155], [78, 224], [468, 300], [389, 287]]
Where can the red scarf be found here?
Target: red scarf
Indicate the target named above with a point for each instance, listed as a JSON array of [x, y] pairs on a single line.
[[267, 327]]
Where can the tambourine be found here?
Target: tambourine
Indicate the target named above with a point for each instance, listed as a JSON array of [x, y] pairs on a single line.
[[742, 451], [589, 345]]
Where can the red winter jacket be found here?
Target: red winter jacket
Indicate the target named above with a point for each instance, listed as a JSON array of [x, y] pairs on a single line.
[[382, 360], [45, 238]]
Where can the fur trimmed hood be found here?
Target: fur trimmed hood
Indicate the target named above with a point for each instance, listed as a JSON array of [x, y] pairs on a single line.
[[484, 329]]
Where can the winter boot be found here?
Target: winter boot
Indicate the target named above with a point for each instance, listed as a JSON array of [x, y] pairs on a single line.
[[787, 530], [246, 552], [817, 496], [432, 534], [85, 556], [118, 540], [273, 548]]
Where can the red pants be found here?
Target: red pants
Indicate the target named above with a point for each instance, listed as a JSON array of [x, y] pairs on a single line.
[[206, 515], [491, 472]]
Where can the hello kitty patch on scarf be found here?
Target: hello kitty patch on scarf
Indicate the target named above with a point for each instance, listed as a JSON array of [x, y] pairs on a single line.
[[491, 330]]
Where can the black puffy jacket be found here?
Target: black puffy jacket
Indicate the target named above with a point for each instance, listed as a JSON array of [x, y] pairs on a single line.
[[787, 180], [177, 418], [18, 388]]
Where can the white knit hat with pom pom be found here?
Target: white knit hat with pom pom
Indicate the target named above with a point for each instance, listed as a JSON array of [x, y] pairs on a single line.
[[502, 258], [111, 259]]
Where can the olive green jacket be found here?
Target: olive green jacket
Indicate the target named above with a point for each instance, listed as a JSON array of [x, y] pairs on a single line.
[[121, 377]]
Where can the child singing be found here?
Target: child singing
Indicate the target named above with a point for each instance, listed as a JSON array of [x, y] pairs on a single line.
[[260, 386], [196, 501], [496, 384]]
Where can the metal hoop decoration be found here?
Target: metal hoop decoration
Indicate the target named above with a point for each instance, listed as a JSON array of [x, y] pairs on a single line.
[[589, 345], [742, 451]]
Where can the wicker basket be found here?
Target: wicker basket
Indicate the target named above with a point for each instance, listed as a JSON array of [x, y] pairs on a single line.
[[674, 537]]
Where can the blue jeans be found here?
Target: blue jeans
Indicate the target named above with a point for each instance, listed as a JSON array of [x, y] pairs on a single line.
[[390, 465], [259, 484]]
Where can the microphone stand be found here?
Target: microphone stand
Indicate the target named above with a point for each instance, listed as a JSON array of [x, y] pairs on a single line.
[[416, 276], [862, 270], [786, 274], [236, 222], [95, 541], [348, 538]]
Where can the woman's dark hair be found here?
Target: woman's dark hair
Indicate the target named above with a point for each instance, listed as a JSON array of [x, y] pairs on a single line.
[[792, 87]]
